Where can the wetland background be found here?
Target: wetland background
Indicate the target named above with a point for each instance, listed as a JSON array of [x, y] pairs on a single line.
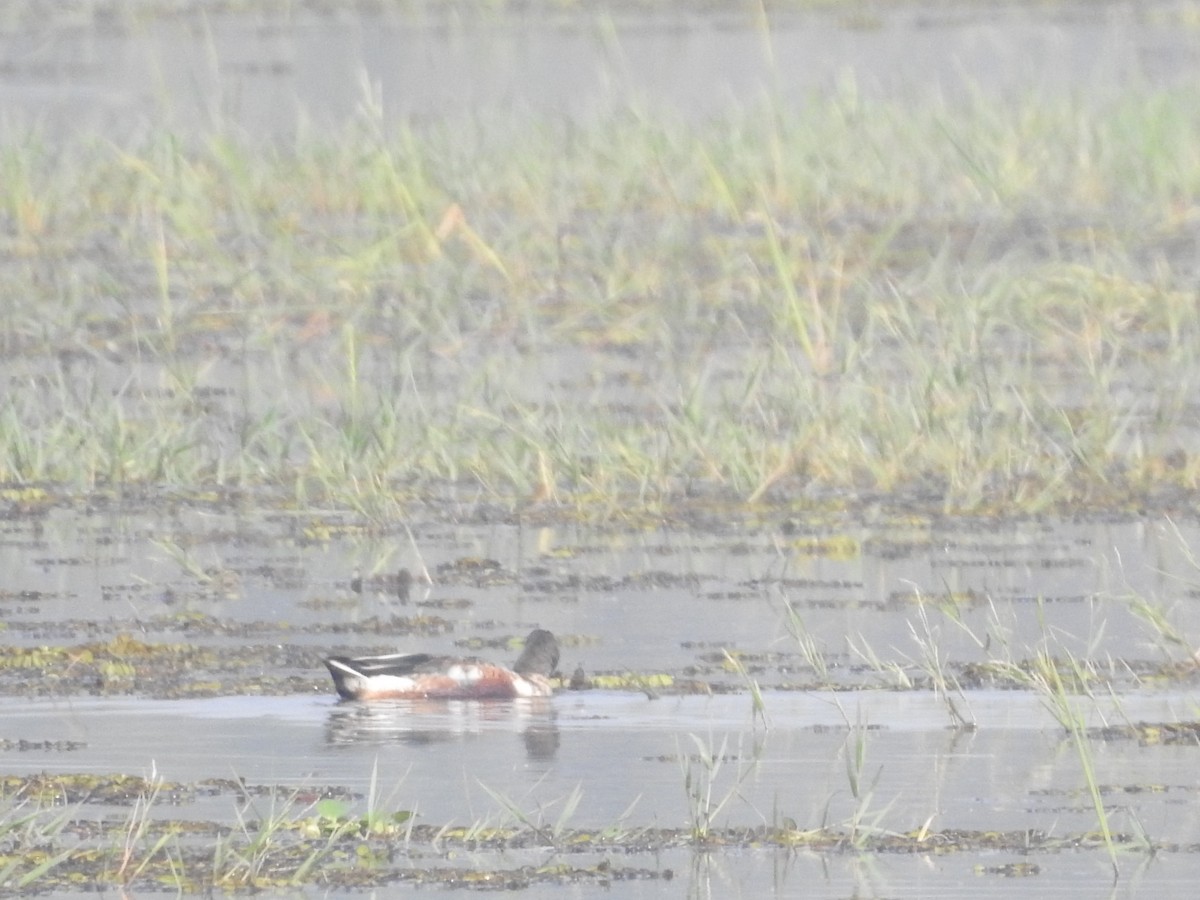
[[824, 377]]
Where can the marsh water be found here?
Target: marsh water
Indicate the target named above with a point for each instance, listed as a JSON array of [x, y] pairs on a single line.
[[666, 601], [269, 75], [876, 640]]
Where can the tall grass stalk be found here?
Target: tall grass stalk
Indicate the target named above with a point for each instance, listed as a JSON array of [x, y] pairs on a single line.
[[1077, 728], [701, 773], [935, 665], [864, 821], [136, 831], [758, 707], [805, 641], [536, 822]]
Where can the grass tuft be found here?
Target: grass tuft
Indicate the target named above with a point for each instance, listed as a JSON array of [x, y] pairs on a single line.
[[877, 299]]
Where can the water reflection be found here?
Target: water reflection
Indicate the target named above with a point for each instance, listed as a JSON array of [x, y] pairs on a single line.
[[425, 722]]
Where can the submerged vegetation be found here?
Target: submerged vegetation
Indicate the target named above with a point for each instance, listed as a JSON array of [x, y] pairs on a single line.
[[967, 306]]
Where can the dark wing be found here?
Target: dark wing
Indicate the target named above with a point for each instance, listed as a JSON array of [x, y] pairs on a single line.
[[390, 664]]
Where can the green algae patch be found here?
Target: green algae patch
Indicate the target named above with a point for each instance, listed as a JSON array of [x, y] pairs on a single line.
[[25, 496], [629, 681], [324, 532], [123, 665], [113, 790], [105, 664], [834, 547], [1152, 733]]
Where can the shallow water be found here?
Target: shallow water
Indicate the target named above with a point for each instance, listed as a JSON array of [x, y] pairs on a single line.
[[664, 600], [626, 751], [876, 598], [627, 755]]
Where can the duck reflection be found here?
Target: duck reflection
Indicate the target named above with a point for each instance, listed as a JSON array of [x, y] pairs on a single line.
[[425, 722]]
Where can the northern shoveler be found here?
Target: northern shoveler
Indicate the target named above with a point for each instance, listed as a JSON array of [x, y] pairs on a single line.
[[421, 675]]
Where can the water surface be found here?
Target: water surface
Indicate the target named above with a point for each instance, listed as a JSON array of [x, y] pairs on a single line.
[[272, 76]]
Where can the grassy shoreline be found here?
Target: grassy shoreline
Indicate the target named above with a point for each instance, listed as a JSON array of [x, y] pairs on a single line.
[[981, 308]]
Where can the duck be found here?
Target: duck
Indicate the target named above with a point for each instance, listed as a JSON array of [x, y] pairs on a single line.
[[417, 676]]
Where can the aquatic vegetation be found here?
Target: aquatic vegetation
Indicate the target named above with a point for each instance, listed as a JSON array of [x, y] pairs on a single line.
[[290, 842], [758, 706], [805, 642], [648, 682], [775, 312], [865, 820], [1071, 718], [551, 831], [702, 773]]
